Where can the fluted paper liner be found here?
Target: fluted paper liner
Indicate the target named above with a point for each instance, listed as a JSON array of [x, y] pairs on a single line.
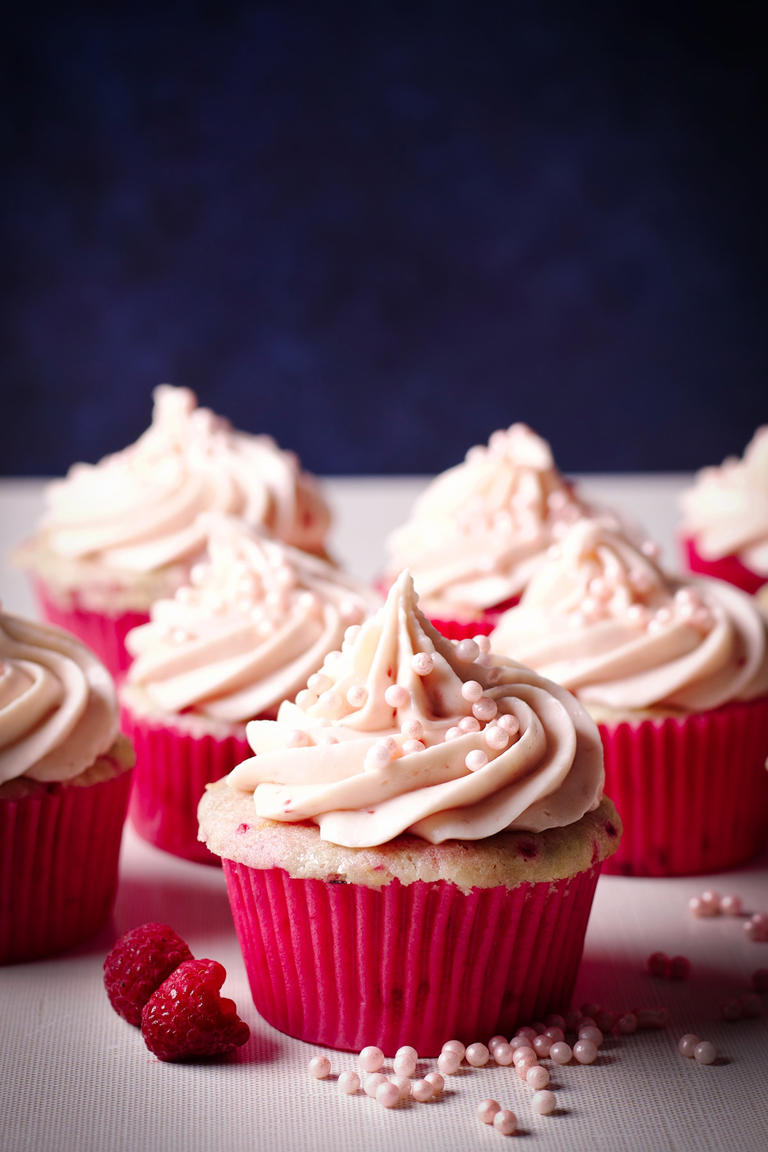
[[344, 965], [173, 767], [692, 791], [103, 633], [59, 851]]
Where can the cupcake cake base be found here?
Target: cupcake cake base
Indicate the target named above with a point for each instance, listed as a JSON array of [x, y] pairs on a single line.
[[408, 943]]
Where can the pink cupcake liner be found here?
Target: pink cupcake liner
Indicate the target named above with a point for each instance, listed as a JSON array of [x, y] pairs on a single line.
[[172, 769], [692, 792], [103, 633], [728, 568], [59, 851], [343, 965]]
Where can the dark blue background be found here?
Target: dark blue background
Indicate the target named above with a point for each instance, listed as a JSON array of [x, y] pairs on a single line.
[[380, 231]]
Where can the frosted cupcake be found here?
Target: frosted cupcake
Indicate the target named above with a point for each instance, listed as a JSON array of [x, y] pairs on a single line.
[[676, 673], [64, 783], [725, 520], [120, 534], [256, 620], [480, 530], [412, 851]]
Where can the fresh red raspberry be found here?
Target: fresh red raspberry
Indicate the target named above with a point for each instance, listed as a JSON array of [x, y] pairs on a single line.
[[187, 1019], [138, 964]]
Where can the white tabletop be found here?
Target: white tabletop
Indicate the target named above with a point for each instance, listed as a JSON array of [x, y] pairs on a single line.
[[73, 1076]]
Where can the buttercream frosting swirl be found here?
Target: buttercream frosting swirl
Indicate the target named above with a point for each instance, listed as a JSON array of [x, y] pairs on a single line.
[[405, 731], [256, 619], [58, 709], [603, 619], [479, 530], [139, 510], [726, 510]]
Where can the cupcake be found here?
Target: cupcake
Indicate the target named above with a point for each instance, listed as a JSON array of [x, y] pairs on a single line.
[[412, 851], [676, 674], [725, 520], [480, 530], [257, 618], [64, 783], [120, 534]]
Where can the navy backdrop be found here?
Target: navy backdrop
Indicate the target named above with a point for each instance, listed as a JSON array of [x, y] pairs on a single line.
[[379, 231]]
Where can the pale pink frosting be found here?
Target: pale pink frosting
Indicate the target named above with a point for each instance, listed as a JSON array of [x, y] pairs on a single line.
[[257, 618], [58, 709], [604, 620], [726, 510], [140, 509], [479, 531], [404, 731]]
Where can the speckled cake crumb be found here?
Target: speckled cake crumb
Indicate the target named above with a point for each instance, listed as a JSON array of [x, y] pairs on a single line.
[[231, 829]]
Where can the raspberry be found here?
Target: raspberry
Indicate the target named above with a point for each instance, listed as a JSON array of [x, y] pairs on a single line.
[[138, 964], [186, 1019]]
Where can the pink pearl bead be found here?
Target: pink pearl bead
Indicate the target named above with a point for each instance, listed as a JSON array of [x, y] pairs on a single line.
[[411, 746], [423, 663], [496, 738], [585, 1051], [404, 1065], [731, 1010], [521, 1042], [537, 1077], [371, 1058], [509, 723], [705, 1052], [475, 760], [679, 968], [592, 1033], [388, 1094], [422, 1091], [711, 901], [658, 964], [397, 696], [471, 690], [686, 1044], [494, 1040], [524, 1055], [555, 1020], [561, 1052], [627, 1023], [526, 1030], [372, 1082], [467, 650], [485, 709], [543, 1103], [731, 905], [542, 1044], [555, 1034], [503, 1054], [505, 1122], [349, 1083], [487, 1109], [320, 1067], [437, 1082], [403, 1085], [455, 1046], [605, 1020], [412, 729], [448, 1063], [407, 1051], [477, 1055]]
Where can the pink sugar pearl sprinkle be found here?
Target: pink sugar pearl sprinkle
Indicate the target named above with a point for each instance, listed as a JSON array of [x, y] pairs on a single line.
[[388, 1094], [422, 1091], [477, 1055], [487, 1109], [505, 1122], [373, 1082], [319, 1067], [544, 1102], [348, 1083], [371, 1058]]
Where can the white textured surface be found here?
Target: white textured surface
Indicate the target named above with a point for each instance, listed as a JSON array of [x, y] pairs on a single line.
[[73, 1076]]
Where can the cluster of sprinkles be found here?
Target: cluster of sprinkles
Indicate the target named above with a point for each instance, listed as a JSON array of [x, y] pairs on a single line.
[[713, 904], [537, 1051], [524, 1054]]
